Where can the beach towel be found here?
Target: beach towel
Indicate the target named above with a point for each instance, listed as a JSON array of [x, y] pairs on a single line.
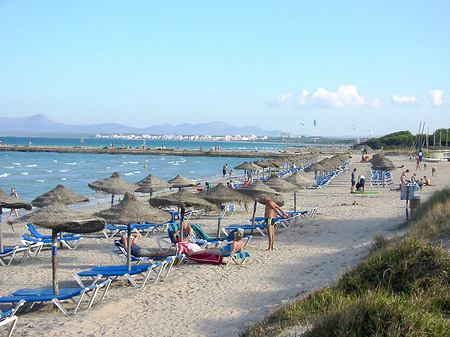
[[200, 258]]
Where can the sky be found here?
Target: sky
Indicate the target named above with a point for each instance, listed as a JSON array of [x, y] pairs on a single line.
[[321, 68]]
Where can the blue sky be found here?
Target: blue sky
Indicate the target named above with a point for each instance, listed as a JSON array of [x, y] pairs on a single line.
[[356, 67]]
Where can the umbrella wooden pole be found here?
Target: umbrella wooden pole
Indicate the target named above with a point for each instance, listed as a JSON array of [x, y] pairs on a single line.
[[181, 223], [55, 261], [129, 247], [254, 214], [218, 226]]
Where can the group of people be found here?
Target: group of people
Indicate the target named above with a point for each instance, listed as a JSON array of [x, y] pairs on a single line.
[[359, 185], [226, 170], [189, 244], [425, 181]]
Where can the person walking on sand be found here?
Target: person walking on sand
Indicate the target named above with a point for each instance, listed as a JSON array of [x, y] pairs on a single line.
[[352, 189], [269, 214], [14, 195], [417, 163]]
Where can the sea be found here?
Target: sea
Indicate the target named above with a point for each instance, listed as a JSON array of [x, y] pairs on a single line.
[[34, 173]]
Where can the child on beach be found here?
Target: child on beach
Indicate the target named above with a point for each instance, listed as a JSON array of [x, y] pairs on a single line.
[[14, 195]]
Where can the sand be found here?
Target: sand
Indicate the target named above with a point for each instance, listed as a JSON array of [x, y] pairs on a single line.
[[207, 300]]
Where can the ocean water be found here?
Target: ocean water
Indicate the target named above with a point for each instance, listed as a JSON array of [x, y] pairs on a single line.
[[34, 173]]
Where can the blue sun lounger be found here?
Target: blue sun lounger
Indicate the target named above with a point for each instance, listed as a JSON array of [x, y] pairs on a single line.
[[71, 241], [9, 318], [32, 296], [115, 272], [19, 253], [169, 260]]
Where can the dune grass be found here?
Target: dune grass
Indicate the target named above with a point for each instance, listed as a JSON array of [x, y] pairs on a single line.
[[403, 289]]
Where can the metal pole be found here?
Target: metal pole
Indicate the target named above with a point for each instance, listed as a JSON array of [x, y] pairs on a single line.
[[129, 247], [55, 261]]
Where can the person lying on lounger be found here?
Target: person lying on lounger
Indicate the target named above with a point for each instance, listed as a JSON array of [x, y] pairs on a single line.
[[233, 247], [138, 251], [188, 235]]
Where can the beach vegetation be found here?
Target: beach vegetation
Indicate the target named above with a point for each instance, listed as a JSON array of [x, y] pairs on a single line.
[[401, 289], [400, 139]]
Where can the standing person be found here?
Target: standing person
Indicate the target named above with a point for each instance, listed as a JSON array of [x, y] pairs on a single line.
[[417, 163], [231, 173], [403, 178], [352, 189], [224, 170], [269, 214], [14, 195], [362, 183]]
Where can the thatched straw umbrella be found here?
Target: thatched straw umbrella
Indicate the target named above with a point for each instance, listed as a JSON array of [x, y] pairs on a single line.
[[59, 193], [383, 164], [129, 211], [246, 166], [59, 218], [263, 164], [113, 185], [182, 199], [151, 184], [221, 194], [299, 180], [7, 201], [179, 182], [281, 185]]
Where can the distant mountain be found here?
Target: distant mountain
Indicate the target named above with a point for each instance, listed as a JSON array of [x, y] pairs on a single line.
[[40, 124]]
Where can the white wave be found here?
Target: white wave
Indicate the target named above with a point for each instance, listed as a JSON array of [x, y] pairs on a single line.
[[17, 164], [40, 180], [125, 162], [4, 175], [63, 170], [128, 174], [49, 171], [63, 178], [9, 167], [108, 167], [136, 172], [121, 165], [24, 173], [55, 161], [71, 163], [133, 162], [31, 165], [191, 171]]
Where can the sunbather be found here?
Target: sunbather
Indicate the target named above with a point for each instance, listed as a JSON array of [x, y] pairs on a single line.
[[188, 235], [233, 247], [138, 251]]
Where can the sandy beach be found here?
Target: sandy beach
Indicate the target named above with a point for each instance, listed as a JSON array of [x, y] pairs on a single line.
[[207, 300]]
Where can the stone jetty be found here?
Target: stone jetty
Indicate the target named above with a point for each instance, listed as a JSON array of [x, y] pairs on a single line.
[[147, 151]]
